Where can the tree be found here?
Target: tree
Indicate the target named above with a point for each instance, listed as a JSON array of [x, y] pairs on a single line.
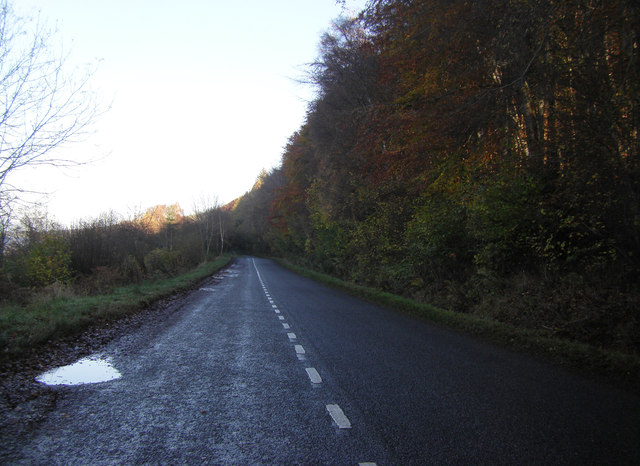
[[158, 217], [211, 226], [48, 262], [251, 213], [43, 104]]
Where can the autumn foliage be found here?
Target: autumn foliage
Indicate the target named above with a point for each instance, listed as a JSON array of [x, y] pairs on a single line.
[[480, 155]]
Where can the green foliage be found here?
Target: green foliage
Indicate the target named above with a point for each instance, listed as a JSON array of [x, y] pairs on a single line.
[[438, 240], [326, 250], [47, 262], [504, 220]]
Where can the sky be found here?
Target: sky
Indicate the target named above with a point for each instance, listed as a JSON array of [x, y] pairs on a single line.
[[203, 95]]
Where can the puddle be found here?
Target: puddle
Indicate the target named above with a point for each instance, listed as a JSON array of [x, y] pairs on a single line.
[[92, 369]]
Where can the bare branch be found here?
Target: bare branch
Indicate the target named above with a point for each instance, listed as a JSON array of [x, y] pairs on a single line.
[[43, 106]]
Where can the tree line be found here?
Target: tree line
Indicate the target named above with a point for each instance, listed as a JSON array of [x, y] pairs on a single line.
[[93, 256], [480, 155]]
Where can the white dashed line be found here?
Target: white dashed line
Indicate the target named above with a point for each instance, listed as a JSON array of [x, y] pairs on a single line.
[[313, 375], [339, 417], [334, 410], [367, 464]]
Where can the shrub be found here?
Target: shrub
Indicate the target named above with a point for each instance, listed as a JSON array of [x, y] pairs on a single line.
[[130, 270], [161, 261], [47, 262]]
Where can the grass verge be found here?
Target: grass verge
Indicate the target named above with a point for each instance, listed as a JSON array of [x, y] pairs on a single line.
[[49, 317], [619, 369]]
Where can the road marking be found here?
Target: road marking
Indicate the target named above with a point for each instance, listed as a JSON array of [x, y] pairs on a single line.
[[277, 311], [281, 317], [339, 417], [257, 272], [274, 306], [299, 349], [292, 336], [286, 326], [367, 464], [313, 375]]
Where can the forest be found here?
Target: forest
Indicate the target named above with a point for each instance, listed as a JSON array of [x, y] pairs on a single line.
[[480, 156]]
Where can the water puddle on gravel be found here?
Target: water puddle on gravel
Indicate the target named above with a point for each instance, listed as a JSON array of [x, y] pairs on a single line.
[[92, 369]]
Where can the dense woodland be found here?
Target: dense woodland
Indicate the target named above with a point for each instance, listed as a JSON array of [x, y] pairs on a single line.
[[482, 156], [479, 155]]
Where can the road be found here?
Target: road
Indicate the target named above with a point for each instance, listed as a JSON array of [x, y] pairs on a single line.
[[262, 366]]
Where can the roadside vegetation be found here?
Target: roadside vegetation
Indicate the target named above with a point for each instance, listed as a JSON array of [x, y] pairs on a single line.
[[60, 310], [57, 280]]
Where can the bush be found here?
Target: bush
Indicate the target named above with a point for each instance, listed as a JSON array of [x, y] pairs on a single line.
[[130, 270], [47, 262], [438, 244], [163, 262]]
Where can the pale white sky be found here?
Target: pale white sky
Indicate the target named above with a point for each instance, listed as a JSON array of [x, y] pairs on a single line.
[[204, 96]]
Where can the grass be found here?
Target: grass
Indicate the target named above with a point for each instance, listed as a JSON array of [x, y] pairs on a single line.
[[617, 368], [61, 313]]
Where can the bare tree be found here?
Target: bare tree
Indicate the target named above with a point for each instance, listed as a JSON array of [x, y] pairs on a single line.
[[42, 105], [207, 214], [6, 211], [223, 217]]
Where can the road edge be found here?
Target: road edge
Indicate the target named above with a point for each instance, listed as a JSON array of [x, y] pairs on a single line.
[[615, 368]]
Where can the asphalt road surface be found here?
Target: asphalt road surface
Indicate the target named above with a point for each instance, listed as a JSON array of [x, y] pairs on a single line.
[[264, 367]]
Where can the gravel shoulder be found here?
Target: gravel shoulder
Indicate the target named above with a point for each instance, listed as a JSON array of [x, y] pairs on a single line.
[[25, 403]]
